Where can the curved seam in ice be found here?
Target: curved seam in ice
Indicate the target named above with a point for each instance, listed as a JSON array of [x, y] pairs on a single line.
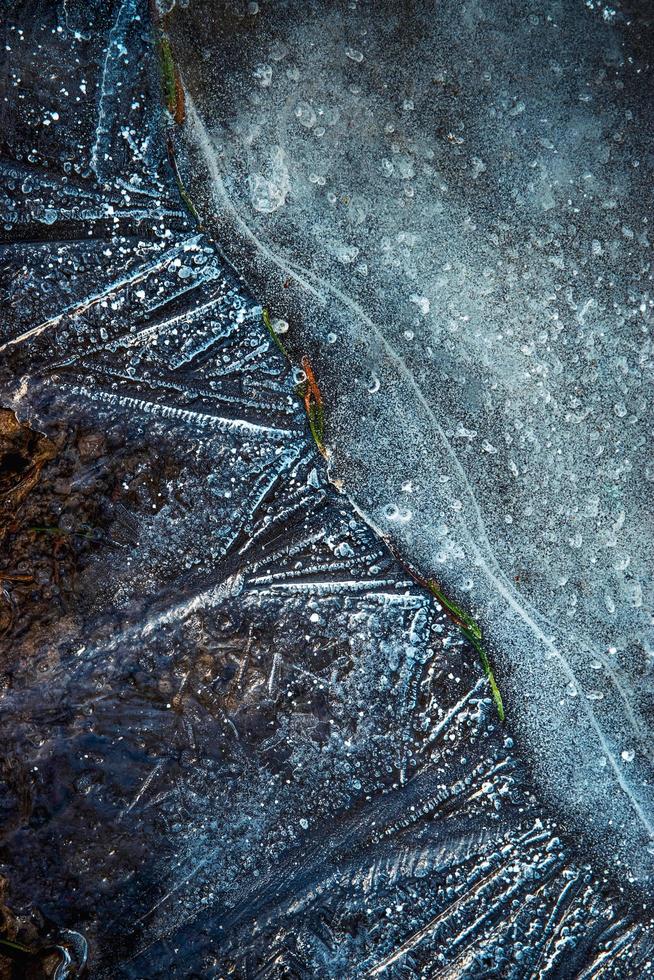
[[496, 578]]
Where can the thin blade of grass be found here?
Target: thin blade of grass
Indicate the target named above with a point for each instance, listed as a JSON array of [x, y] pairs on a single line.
[[313, 403], [473, 634], [267, 322]]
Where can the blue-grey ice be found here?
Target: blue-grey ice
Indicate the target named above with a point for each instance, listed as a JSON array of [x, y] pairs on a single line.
[[239, 739], [450, 204]]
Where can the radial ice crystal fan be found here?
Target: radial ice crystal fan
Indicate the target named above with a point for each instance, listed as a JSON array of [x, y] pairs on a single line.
[[324, 489]]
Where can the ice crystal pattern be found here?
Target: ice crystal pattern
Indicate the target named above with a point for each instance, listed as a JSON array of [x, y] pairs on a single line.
[[253, 746]]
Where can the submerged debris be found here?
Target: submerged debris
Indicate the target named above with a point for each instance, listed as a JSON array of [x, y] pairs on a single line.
[[28, 950], [52, 523], [23, 452]]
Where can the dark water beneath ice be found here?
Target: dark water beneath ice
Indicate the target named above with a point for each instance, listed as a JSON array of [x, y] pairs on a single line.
[[238, 738]]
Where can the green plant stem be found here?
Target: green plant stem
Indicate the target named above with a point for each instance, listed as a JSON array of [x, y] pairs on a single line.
[[267, 322], [473, 634]]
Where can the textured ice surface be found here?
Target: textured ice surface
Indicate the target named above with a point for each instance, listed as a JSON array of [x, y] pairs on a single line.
[[451, 203], [240, 740]]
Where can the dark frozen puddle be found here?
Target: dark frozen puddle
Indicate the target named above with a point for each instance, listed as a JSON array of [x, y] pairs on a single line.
[[239, 739], [449, 204]]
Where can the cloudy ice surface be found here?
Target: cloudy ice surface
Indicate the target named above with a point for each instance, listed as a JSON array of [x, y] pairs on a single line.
[[450, 204]]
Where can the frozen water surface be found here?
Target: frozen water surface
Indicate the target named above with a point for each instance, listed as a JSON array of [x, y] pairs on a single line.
[[238, 738], [450, 203]]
